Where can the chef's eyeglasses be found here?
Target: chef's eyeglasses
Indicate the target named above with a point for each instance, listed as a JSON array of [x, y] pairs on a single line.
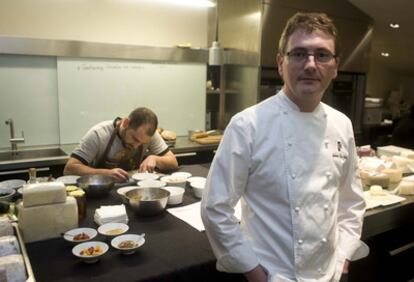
[[321, 56]]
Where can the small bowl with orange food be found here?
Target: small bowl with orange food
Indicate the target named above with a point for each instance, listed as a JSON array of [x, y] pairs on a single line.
[[79, 235], [91, 251]]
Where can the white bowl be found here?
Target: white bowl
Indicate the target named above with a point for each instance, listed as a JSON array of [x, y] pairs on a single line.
[[112, 229], [122, 191], [137, 241], [174, 180], [70, 235], [181, 174], [150, 183], [176, 194], [196, 178], [144, 175], [84, 247], [198, 188], [12, 183]]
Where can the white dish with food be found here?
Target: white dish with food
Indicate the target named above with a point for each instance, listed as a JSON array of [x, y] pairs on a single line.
[[128, 243], [91, 251], [79, 235], [68, 179], [113, 229], [174, 180], [12, 183], [181, 174], [150, 183], [176, 194], [144, 176]]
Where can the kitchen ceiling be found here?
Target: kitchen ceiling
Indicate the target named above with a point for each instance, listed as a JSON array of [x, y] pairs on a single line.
[[399, 43]]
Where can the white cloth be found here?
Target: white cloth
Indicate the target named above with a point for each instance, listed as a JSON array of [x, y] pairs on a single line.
[[106, 214], [301, 195]]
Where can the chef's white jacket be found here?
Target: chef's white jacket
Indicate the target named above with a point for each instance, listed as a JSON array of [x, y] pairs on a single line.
[[302, 202]]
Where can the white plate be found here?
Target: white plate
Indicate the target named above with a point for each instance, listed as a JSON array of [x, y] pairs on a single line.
[[384, 200], [12, 183], [151, 183], [139, 240], [76, 251], [144, 176], [181, 174], [69, 235], [68, 179]]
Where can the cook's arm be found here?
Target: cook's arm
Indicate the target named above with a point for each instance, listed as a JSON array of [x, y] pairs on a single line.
[[76, 167], [168, 161]]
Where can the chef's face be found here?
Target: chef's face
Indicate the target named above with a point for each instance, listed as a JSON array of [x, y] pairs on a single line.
[[306, 79], [133, 138]]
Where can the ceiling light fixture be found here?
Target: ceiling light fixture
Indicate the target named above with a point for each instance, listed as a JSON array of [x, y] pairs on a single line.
[[385, 54], [394, 25], [199, 3]]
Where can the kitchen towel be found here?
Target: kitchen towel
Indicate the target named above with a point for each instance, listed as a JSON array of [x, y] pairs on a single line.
[[106, 214]]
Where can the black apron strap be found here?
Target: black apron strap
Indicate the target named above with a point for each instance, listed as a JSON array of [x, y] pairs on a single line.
[[102, 161]]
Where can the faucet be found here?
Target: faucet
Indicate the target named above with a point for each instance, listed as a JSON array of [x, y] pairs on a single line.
[[13, 140]]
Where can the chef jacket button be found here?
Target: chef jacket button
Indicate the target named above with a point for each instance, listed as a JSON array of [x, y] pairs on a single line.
[[300, 241], [285, 113], [293, 175], [319, 270], [324, 240], [297, 209], [325, 115], [328, 174], [325, 207], [290, 144]]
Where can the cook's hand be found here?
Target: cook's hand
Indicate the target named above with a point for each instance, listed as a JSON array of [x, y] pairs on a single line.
[[346, 267], [120, 174], [148, 164]]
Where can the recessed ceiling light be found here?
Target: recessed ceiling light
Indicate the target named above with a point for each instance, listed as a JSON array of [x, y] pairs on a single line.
[[394, 25], [385, 54]]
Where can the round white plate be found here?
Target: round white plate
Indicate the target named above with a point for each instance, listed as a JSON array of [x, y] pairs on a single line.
[[76, 251], [12, 183], [139, 240], [68, 179], [181, 174], [69, 235], [144, 176], [122, 191]]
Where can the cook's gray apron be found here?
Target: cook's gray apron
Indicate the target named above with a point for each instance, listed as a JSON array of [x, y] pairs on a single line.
[[130, 159]]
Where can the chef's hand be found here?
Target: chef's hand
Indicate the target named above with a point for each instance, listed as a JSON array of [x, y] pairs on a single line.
[[120, 174], [257, 274], [346, 267], [148, 164]]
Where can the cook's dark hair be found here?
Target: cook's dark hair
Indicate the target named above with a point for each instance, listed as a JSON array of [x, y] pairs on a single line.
[[309, 22], [143, 116]]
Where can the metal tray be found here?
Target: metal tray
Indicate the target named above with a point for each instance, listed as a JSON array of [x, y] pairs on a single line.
[[29, 271]]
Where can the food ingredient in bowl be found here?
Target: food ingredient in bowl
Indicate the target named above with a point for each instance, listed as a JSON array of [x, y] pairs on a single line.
[[115, 231], [127, 244], [81, 236], [91, 251]]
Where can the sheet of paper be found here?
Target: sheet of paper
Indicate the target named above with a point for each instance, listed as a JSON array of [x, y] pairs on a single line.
[[191, 214]]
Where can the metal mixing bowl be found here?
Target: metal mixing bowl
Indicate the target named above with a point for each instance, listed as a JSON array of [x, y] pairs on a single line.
[[147, 201], [96, 185]]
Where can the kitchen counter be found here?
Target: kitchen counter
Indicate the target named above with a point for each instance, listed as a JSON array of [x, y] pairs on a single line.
[[183, 147]]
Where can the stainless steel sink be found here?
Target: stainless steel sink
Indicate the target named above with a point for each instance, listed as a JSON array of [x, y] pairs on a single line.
[[31, 154]]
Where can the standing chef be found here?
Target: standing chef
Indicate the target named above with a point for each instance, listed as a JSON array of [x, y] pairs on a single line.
[[291, 159], [114, 147]]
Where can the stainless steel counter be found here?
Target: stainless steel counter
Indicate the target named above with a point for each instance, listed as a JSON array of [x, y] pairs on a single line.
[[182, 147]]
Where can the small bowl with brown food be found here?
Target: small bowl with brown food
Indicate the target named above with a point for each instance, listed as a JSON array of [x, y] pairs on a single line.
[[112, 229], [128, 243], [79, 235], [91, 251]]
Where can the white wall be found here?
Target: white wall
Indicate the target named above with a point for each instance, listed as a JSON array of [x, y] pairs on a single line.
[[139, 22]]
